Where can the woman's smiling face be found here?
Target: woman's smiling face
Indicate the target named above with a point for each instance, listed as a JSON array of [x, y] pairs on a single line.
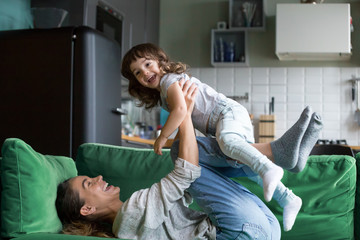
[[147, 72], [95, 191]]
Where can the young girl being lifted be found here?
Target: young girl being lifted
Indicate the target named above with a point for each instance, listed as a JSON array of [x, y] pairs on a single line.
[[152, 75]]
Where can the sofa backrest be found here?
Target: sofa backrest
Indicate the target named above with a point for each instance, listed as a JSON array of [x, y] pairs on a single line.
[[326, 185], [130, 169]]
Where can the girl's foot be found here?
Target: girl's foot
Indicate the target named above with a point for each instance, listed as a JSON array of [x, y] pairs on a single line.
[[270, 179], [290, 213]]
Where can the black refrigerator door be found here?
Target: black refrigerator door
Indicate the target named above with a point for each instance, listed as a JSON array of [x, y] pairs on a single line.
[[97, 88], [35, 88], [59, 87]]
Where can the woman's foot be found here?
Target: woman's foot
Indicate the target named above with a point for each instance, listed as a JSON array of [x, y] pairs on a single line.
[[308, 141], [286, 149]]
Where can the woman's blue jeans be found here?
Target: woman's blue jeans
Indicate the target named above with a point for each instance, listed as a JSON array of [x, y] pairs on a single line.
[[234, 210]]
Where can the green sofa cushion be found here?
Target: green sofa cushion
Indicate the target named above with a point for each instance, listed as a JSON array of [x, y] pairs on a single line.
[[326, 186], [130, 169], [29, 182]]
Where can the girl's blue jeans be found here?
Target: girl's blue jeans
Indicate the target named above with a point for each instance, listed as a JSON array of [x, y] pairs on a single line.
[[234, 210]]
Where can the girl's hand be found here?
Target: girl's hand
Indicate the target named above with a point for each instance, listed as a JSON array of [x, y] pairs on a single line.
[[159, 144]]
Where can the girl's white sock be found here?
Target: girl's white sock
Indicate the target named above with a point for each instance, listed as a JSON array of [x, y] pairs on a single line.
[[290, 212]]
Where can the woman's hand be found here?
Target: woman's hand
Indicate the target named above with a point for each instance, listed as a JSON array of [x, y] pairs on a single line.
[[189, 91]]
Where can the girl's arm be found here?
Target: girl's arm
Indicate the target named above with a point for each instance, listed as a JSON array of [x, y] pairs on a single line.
[[178, 110]]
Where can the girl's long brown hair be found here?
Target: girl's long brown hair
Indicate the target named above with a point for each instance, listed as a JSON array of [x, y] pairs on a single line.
[[68, 205], [147, 96]]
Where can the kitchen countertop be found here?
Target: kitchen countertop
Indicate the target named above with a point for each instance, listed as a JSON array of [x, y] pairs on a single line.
[[145, 141]]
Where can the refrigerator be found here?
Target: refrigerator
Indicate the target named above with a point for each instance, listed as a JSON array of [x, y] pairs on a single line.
[[60, 88]]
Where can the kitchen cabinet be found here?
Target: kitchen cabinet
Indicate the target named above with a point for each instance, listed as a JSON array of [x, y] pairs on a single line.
[[246, 14], [228, 48], [313, 31]]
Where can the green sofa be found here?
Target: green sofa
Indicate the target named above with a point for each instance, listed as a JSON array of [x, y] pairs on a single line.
[[327, 187]]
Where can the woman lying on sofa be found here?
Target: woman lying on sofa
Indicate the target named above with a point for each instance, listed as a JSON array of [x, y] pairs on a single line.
[[161, 211]]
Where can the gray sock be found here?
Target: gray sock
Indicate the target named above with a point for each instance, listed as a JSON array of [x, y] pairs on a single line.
[[308, 142], [286, 149]]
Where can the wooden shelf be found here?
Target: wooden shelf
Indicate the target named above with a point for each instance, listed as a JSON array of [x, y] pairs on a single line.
[[238, 18], [222, 40]]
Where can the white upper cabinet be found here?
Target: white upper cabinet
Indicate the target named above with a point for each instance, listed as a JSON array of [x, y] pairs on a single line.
[[313, 32]]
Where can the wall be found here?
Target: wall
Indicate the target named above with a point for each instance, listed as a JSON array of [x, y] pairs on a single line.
[[185, 28], [325, 86], [326, 89]]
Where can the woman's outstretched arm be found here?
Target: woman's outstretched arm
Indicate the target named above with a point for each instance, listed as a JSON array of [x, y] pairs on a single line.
[[188, 149]]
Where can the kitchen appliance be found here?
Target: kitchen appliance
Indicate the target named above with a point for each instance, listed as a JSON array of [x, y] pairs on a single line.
[[97, 14], [60, 88], [332, 147], [313, 31]]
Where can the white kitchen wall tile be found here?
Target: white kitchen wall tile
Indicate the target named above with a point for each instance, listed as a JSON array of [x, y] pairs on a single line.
[[225, 81], [260, 93], [329, 80], [330, 134], [296, 72], [208, 76], [295, 98], [347, 73], [331, 71], [295, 89], [293, 116], [313, 89], [260, 98], [278, 97], [277, 76], [298, 80], [331, 125], [280, 116], [279, 132], [331, 107], [195, 72], [242, 81], [262, 89], [280, 128], [313, 71], [315, 81], [280, 107], [331, 116], [316, 107], [313, 98], [349, 127], [243, 75], [260, 76], [331, 88], [327, 90], [258, 109], [277, 89], [331, 99], [294, 109], [278, 92]]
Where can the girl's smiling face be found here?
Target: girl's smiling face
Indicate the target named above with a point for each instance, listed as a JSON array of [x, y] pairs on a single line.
[[147, 72]]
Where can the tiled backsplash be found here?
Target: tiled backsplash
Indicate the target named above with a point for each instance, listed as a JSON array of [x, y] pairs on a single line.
[[326, 90]]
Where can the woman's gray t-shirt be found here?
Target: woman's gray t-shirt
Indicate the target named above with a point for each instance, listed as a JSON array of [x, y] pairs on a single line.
[[161, 211]]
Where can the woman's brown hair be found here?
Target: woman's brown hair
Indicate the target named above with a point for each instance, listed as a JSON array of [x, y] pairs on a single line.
[[68, 205], [147, 96]]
